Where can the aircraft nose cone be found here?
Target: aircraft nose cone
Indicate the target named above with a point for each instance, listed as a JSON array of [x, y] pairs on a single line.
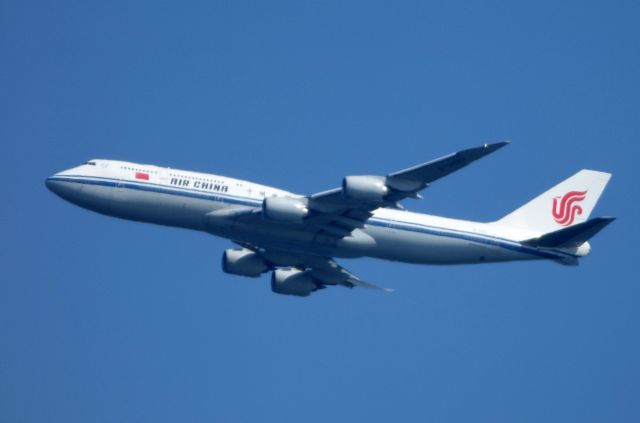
[[60, 187], [50, 184]]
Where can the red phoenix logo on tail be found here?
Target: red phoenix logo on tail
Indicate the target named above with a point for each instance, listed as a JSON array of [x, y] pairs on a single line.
[[564, 212]]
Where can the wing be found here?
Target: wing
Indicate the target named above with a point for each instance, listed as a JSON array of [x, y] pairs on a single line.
[[340, 210], [318, 270], [335, 214]]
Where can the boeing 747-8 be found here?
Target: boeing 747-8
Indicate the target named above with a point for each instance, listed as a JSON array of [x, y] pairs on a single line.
[[296, 237]]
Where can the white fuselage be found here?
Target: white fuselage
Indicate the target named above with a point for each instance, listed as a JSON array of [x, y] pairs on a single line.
[[187, 199]]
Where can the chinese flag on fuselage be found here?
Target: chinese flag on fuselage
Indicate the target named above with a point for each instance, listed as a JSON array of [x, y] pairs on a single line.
[[144, 176]]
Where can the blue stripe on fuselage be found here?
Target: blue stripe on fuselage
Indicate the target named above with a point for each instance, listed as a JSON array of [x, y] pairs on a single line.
[[374, 221], [151, 187]]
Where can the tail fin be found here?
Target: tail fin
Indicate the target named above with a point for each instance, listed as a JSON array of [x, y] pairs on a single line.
[[568, 203]]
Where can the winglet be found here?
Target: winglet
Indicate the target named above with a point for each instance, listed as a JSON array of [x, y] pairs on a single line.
[[479, 152], [496, 145]]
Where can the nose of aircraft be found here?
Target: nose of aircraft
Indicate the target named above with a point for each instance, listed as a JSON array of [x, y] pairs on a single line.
[[50, 184], [54, 183], [60, 186]]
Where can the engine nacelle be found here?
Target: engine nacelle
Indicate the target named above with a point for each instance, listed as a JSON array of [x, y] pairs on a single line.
[[243, 262], [284, 209], [292, 282], [365, 188]]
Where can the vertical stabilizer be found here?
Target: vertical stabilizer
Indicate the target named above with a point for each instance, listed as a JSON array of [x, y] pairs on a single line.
[[566, 204]]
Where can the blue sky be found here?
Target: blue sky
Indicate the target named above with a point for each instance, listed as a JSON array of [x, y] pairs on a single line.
[[105, 320]]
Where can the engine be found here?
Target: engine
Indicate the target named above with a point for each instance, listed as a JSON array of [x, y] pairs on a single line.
[[284, 209], [292, 282], [243, 262], [365, 188]]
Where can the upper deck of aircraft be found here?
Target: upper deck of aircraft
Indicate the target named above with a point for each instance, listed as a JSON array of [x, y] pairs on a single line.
[[175, 178]]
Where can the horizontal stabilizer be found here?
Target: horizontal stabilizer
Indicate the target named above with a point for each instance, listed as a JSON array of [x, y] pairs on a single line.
[[571, 237]]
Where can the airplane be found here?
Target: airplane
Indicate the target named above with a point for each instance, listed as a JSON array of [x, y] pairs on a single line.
[[297, 237]]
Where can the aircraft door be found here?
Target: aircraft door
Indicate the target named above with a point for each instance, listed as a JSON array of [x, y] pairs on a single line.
[[163, 176]]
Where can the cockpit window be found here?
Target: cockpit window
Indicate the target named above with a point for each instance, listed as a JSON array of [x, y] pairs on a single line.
[[91, 163]]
